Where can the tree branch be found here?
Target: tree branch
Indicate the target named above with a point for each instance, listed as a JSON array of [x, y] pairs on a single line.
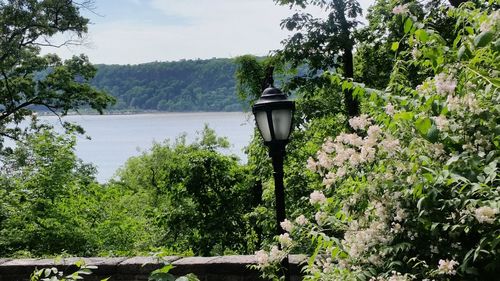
[[53, 110], [4, 115], [9, 136]]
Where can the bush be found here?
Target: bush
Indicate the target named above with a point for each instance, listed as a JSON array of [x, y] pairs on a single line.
[[411, 191]]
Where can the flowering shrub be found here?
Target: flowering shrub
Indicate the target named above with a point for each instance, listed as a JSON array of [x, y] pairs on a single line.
[[411, 192]]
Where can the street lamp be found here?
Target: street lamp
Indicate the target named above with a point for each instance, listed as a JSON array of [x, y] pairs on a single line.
[[273, 115]]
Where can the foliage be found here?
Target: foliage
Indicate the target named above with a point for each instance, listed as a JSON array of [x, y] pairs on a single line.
[[51, 204], [195, 196], [28, 79], [53, 274], [187, 85], [318, 42], [322, 44], [188, 198], [37, 178], [411, 192], [374, 58], [252, 77]]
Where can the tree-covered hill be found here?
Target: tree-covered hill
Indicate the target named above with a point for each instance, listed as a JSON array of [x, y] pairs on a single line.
[[187, 85]]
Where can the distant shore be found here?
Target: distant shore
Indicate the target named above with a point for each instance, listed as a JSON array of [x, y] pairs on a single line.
[[129, 112]]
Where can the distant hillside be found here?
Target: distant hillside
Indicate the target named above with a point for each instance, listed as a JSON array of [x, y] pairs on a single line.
[[188, 85]]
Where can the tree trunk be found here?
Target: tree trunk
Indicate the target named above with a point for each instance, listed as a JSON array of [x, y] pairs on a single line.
[[351, 104]]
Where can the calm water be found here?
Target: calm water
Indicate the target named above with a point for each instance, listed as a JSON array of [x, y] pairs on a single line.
[[115, 138]]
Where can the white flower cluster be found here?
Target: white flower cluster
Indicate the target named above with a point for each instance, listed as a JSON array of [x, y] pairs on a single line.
[[389, 109], [445, 84], [350, 150], [400, 10], [287, 225], [317, 197], [360, 122], [441, 122], [400, 213], [285, 240], [485, 214], [470, 102], [358, 240], [301, 220], [390, 145], [264, 258], [447, 267], [320, 217]]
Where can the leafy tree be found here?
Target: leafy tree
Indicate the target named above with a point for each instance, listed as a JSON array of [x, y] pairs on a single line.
[[196, 196], [322, 43], [187, 85], [28, 79], [38, 178], [375, 51]]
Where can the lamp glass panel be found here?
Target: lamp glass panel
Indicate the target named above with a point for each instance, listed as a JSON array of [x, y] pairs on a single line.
[[282, 121], [263, 125]]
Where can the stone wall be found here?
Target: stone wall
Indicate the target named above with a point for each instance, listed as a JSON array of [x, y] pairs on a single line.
[[222, 268]]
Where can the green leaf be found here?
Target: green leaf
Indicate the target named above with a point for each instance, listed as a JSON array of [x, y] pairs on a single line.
[[420, 202], [312, 259], [483, 39], [457, 40], [165, 268], [408, 25], [463, 52], [395, 46], [47, 272], [422, 35], [433, 134], [346, 85], [85, 271], [423, 124], [434, 226], [405, 115]]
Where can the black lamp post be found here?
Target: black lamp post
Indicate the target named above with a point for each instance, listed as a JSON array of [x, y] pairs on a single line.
[[273, 115]]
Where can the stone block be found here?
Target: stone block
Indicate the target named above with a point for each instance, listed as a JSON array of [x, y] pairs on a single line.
[[105, 266], [230, 264], [24, 265], [144, 265], [197, 265]]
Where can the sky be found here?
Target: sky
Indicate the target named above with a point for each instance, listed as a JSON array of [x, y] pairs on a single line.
[[141, 31]]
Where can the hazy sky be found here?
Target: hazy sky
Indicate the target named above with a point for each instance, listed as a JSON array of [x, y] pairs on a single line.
[[139, 31]]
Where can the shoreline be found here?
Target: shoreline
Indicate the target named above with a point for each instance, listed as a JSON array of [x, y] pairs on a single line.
[[117, 113]]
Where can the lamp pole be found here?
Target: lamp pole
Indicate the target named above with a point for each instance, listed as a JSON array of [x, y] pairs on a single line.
[[273, 115], [277, 154]]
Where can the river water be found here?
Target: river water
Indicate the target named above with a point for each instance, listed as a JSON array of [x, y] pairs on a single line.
[[115, 138]]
